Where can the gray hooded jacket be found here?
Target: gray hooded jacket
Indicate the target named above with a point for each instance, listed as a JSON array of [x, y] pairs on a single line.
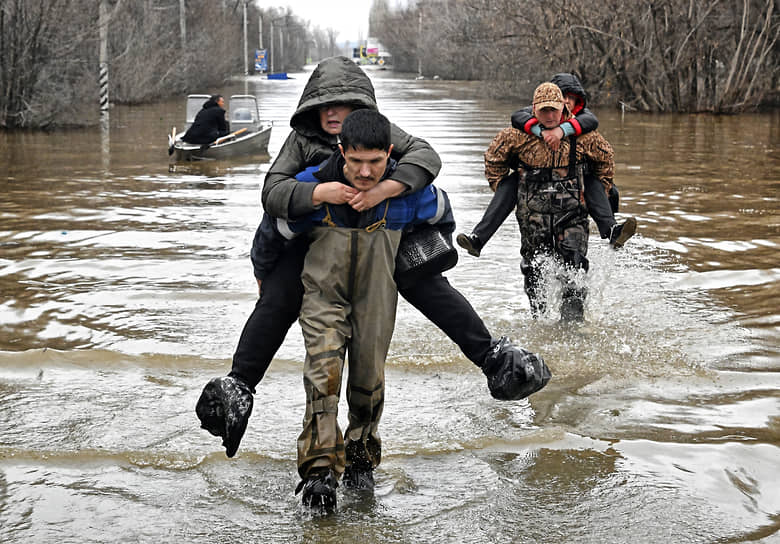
[[336, 80]]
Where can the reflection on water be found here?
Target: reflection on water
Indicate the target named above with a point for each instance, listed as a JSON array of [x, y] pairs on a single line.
[[125, 284]]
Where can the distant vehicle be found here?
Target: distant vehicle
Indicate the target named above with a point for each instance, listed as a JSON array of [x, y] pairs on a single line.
[[249, 135], [371, 53]]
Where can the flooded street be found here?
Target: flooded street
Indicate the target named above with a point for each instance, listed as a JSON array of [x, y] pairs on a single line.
[[125, 285]]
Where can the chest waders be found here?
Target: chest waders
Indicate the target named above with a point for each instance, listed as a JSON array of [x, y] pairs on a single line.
[[553, 220], [348, 310]]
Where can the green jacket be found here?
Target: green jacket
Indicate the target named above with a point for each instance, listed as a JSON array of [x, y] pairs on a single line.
[[335, 80]]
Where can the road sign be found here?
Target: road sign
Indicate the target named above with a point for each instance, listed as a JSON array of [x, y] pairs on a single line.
[[261, 62]]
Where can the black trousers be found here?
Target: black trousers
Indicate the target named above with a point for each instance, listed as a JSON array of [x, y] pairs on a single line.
[[500, 206], [599, 206], [280, 302], [505, 199]]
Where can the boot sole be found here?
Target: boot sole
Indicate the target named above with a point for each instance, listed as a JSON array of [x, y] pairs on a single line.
[[629, 229], [465, 243]]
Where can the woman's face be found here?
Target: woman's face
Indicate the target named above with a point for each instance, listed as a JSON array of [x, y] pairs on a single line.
[[331, 117], [570, 100]]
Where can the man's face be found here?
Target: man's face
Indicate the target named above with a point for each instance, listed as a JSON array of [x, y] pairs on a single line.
[[363, 168], [549, 117], [331, 117]]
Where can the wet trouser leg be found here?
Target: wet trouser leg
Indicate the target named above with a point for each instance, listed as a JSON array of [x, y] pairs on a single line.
[[572, 248], [536, 246], [275, 312], [614, 198], [599, 206], [351, 305], [532, 279], [449, 310], [321, 443], [564, 238], [501, 205], [373, 320]]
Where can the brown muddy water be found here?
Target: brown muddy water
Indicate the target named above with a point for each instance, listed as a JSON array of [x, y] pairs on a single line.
[[124, 287]]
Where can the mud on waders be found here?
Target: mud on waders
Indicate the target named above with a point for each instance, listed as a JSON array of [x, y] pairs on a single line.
[[330, 317]]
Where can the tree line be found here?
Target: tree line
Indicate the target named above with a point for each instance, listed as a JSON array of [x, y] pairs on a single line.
[[649, 55], [49, 52]]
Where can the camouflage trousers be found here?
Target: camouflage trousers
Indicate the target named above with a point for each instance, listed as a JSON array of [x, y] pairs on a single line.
[[348, 310], [562, 236]]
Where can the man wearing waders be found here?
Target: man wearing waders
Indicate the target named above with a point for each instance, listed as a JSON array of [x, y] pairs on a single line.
[[551, 210], [336, 87], [350, 293], [349, 305], [601, 207]]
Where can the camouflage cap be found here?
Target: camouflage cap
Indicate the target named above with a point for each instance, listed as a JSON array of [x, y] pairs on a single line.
[[548, 95]]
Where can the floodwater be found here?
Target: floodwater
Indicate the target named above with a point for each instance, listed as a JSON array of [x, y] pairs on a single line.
[[125, 286]]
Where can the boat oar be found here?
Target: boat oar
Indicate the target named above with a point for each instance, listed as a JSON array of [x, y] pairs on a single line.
[[229, 136]]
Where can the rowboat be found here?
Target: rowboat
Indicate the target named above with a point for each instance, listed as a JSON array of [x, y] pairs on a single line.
[[249, 136]]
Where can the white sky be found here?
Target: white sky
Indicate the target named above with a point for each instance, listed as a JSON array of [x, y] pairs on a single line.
[[348, 17]]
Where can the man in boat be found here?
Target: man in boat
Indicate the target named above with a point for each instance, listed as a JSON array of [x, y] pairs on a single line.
[[336, 87], [551, 207], [210, 122]]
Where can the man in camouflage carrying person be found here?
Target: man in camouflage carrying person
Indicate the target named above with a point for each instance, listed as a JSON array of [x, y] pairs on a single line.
[[551, 209]]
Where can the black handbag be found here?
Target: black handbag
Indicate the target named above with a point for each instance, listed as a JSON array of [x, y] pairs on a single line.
[[423, 252]]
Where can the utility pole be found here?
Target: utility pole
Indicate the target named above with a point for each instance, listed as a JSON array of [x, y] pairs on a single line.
[[183, 24], [281, 47], [246, 68], [260, 31], [271, 51], [103, 59], [419, 43], [105, 127]]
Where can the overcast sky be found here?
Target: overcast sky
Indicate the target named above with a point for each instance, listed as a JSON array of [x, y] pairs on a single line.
[[348, 17]]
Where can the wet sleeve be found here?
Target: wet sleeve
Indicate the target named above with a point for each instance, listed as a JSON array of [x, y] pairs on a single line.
[[432, 206], [524, 120], [418, 162], [602, 158], [584, 122], [283, 196], [497, 157], [447, 220]]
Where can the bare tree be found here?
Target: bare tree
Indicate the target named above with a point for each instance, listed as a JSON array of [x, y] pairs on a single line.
[[49, 53], [653, 55], [42, 66]]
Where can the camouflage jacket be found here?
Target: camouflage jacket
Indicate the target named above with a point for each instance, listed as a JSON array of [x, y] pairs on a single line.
[[512, 149]]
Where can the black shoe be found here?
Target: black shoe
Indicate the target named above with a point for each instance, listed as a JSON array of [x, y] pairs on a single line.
[[319, 490], [512, 372], [355, 478], [470, 243], [224, 408], [621, 233]]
